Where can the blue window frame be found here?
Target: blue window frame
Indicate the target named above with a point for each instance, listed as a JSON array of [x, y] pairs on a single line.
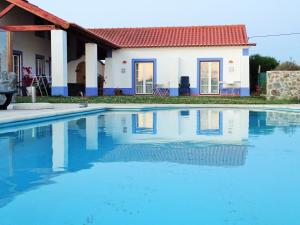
[[209, 122], [144, 123]]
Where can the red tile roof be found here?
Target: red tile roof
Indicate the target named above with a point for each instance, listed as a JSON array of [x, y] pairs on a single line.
[[60, 23], [40, 12], [227, 35]]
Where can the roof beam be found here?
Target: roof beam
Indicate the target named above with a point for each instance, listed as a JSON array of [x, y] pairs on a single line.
[[40, 12], [6, 10], [22, 28]]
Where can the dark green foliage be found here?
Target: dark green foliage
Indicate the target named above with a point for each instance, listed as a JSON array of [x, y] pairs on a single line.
[[267, 63]]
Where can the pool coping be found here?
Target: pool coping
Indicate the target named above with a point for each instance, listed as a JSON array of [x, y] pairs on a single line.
[[61, 111]]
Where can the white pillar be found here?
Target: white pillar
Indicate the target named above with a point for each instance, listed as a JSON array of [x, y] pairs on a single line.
[[60, 146], [59, 63], [91, 70], [92, 133]]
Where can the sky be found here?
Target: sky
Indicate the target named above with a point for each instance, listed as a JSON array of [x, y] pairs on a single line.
[[262, 17]]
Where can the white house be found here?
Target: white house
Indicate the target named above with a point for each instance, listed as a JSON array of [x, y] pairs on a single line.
[[215, 58], [137, 61]]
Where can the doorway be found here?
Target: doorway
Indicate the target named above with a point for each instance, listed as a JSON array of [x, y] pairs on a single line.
[[144, 77], [210, 74], [80, 73], [18, 64]]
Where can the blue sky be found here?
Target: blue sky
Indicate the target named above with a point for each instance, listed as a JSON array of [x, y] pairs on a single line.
[[261, 17]]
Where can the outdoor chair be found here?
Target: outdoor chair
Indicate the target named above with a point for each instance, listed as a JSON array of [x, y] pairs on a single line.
[[8, 87], [161, 90], [184, 86]]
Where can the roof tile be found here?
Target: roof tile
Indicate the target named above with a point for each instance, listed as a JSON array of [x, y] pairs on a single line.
[[226, 35]]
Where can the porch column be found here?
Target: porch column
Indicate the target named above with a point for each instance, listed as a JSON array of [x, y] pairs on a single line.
[[59, 63], [91, 70], [60, 146], [92, 133]]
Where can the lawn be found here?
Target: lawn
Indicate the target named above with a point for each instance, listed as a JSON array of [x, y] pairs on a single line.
[[159, 100]]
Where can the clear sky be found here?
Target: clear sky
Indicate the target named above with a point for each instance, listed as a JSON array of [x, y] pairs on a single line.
[[261, 17]]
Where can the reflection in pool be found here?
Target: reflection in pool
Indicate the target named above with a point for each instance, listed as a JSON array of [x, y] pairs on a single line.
[[198, 166]]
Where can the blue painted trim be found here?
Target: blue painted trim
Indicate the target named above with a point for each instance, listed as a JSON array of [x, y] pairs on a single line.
[[59, 91], [194, 91], [212, 132], [138, 130], [111, 91], [174, 92], [134, 61], [199, 60], [231, 91], [246, 51], [91, 91], [245, 92]]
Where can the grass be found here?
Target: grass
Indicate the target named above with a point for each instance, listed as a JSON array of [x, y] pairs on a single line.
[[159, 100]]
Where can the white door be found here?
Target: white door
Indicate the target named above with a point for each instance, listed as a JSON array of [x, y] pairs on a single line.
[[144, 73], [210, 78]]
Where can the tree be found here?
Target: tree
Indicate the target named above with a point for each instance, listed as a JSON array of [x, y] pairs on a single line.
[[265, 63], [290, 65]]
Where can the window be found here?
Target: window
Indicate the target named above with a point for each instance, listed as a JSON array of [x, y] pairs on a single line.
[[144, 123], [17, 64], [209, 122], [40, 65]]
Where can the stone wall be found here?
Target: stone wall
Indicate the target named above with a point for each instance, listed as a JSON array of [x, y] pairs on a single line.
[[283, 85], [283, 119]]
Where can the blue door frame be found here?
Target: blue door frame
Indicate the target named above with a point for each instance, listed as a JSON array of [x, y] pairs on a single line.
[[134, 61]]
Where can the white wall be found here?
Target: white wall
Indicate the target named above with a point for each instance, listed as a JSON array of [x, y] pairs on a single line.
[[72, 67], [172, 63], [26, 42], [171, 125]]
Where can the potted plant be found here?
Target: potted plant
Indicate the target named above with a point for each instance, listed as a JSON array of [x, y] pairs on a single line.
[[118, 92], [27, 79]]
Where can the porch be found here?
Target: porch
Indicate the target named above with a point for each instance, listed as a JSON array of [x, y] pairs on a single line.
[[60, 58]]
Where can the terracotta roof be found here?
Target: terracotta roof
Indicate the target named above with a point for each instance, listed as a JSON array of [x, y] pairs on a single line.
[[60, 23], [40, 12], [226, 35]]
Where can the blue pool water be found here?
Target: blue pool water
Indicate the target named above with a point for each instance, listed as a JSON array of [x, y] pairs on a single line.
[[168, 167]]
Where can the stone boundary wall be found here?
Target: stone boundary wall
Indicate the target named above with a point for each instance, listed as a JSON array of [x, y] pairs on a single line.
[[283, 85]]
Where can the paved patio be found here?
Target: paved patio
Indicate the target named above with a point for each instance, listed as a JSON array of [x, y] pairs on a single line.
[[60, 109]]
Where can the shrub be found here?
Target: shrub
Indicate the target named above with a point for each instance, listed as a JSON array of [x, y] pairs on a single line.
[[290, 65]]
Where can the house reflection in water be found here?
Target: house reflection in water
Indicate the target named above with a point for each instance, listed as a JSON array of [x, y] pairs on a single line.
[[34, 155]]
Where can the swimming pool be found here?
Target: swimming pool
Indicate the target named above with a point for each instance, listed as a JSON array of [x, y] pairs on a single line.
[[165, 167]]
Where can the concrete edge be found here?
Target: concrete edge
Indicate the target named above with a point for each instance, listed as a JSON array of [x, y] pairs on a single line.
[[39, 114]]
